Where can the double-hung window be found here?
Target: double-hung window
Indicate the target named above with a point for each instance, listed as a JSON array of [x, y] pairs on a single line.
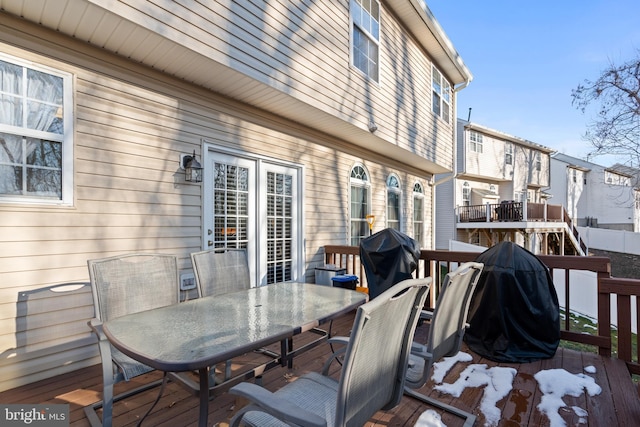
[[36, 145], [418, 213], [441, 102], [360, 200], [365, 36], [508, 153], [475, 142], [466, 194], [538, 161], [394, 196]]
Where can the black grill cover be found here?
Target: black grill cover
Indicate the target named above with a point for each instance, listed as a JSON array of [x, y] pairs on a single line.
[[388, 257], [514, 314]]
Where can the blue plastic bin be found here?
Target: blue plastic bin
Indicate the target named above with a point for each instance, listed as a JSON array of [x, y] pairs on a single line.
[[346, 281]]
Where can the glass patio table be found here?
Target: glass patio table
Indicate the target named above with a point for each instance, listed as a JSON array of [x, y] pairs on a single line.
[[198, 334]]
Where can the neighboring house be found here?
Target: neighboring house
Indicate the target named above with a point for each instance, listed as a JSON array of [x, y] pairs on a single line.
[[305, 116], [496, 193], [596, 196]]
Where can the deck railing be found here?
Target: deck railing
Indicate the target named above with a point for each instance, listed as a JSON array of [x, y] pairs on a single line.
[[510, 211], [623, 294]]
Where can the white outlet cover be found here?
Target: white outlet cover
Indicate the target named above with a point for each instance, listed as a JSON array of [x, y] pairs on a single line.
[[187, 281]]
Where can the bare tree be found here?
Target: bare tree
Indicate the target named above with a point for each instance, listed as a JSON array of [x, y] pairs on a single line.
[[616, 127]]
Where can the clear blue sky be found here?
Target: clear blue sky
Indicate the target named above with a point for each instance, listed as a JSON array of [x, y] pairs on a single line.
[[527, 56]]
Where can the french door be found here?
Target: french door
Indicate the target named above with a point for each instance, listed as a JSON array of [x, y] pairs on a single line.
[[256, 204]]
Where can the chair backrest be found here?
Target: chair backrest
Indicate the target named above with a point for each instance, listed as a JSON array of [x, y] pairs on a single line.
[[220, 272], [452, 306], [131, 283], [376, 358]]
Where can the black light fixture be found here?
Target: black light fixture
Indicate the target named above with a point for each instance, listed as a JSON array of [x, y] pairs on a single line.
[[192, 168]]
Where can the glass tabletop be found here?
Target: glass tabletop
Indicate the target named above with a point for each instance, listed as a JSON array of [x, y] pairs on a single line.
[[202, 332]]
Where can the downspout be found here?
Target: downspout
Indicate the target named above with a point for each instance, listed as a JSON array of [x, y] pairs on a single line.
[[454, 174]]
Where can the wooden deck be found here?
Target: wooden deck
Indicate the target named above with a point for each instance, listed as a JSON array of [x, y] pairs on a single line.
[[617, 405]]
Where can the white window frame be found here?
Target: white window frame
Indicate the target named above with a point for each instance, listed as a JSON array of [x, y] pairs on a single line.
[[359, 178], [508, 153], [475, 141], [66, 139], [441, 95], [418, 217], [258, 166], [466, 194], [394, 187], [538, 161], [364, 24]]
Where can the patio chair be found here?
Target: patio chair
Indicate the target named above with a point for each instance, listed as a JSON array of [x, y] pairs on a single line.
[[122, 285], [446, 330], [217, 272], [372, 375]]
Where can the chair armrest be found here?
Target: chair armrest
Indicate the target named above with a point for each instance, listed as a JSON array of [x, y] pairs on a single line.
[[426, 315], [338, 340], [96, 326], [337, 353], [418, 349], [266, 401]]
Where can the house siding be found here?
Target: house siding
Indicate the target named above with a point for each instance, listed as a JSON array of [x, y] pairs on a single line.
[[446, 214], [302, 49], [131, 125]]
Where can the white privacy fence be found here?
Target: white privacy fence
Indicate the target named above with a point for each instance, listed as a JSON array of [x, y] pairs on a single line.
[[626, 242]]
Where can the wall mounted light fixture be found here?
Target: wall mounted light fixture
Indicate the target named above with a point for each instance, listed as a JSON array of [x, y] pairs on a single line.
[[192, 168]]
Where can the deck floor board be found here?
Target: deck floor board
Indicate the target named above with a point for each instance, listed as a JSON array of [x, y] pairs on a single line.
[[617, 404]]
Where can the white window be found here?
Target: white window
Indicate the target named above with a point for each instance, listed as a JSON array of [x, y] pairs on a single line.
[[365, 36], [508, 153], [360, 204], [244, 192], [466, 194], [394, 199], [36, 134], [475, 141], [538, 161], [441, 102], [418, 213]]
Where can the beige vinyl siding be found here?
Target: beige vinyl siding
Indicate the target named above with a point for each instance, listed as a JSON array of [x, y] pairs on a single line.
[[131, 124], [302, 49], [446, 195], [490, 163]]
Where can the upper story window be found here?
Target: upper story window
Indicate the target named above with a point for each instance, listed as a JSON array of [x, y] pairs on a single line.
[[574, 174], [36, 145], [538, 161], [418, 213], [360, 203], [441, 95], [616, 179], [508, 153], [365, 37], [394, 196], [475, 141]]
